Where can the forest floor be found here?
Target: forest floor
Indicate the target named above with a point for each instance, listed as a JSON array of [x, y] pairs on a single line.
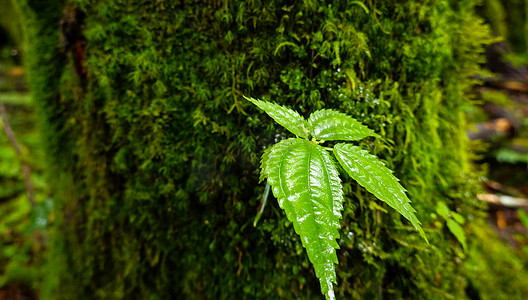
[[500, 125]]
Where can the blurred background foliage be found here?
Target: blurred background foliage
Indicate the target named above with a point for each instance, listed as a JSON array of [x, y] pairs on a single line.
[[23, 234], [493, 267]]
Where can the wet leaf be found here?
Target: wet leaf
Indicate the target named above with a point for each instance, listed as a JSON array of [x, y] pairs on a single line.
[[286, 117], [372, 174], [330, 125], [307, 186]]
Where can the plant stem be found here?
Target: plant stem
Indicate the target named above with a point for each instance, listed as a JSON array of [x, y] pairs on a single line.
[[262, 204], [26, 170]]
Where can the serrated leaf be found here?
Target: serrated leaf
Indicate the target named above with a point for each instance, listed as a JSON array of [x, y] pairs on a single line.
[[306, 183], [331, 125], [286, 117], [372, 174], [457, 231]]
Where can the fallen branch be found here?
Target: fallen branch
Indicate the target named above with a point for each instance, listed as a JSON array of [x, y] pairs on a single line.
[[26, 170], [503, 200]]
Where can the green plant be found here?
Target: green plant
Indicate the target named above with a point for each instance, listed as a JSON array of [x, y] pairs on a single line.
[[305, 180], [523, 217], [505, 155], [454, 222]]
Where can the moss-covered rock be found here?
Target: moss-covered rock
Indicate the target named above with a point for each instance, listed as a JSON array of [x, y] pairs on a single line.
[[155, 154]]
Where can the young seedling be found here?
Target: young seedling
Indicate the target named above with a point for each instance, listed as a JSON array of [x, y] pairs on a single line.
[[305, 180]]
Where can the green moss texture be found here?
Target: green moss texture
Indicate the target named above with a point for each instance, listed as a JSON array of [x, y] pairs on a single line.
[[154, 155], [10, 31]]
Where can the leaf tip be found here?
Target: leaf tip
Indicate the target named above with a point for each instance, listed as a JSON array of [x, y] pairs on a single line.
[[252, 100], [422, 234]]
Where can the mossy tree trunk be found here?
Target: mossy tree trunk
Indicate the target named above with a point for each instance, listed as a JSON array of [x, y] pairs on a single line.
[[508, 19], [154, 153]]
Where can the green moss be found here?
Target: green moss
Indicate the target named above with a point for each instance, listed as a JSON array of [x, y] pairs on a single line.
[[10, 23], [495, 14], [157, 155], [508, 19], [493, 268], [517, 22]]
